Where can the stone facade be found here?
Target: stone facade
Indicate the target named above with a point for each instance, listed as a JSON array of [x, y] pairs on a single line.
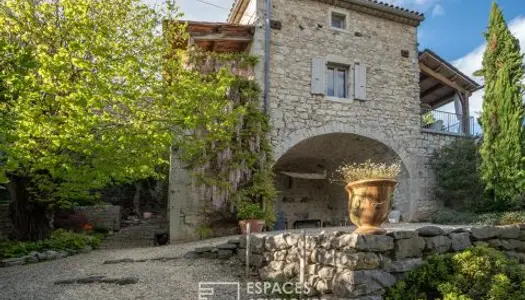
[[385, 126], [351, 266], [391, 113]]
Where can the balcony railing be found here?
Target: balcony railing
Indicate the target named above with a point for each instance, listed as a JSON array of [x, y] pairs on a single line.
[[446, 122]]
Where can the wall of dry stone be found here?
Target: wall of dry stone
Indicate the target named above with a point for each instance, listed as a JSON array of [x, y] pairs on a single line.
[[106, 216], [351, 266]]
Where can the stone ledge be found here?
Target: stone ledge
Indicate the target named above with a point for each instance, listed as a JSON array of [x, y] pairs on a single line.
[[348, 265]]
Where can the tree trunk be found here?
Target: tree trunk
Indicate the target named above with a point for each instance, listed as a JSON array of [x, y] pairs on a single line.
[[136, 198], [30, 218]]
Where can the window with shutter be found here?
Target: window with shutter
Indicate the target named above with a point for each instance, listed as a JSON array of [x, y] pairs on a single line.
[[318, 75], [360, 81]]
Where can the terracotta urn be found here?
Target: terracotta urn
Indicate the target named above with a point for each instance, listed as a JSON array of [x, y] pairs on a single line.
[[369, 204], [256, 225]]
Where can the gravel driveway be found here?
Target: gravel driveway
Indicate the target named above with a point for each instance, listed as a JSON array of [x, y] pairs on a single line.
[[171, 279], [175, 278]]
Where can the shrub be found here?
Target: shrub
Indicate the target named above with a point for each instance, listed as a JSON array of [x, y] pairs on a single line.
[[70, 220], [448, 216], [60, 239], [476, 273], [458, 181], [250, 211]]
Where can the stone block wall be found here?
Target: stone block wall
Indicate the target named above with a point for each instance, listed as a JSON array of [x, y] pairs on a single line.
[[348, 265], [6, 226], [107, 216]]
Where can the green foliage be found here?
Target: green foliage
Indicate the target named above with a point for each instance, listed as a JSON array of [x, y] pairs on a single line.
[[502, 117], [81, 103], [458, 182], [93, 94], [448, 216], [250, 211], [476, 273], [229, 146], [204, 231], [59, 240], [428, 118]]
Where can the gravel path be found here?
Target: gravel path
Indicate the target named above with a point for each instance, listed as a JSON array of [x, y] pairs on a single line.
[[176, 278]]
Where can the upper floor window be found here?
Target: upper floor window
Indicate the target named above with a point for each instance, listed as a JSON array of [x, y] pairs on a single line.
[[336, 81], [338, 20]]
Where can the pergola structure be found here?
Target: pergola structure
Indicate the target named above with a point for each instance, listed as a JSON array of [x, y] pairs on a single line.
[[220, 37], [440, 82]]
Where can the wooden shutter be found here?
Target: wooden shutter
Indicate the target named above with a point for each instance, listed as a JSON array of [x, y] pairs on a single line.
[[360, 81], [318, 75]]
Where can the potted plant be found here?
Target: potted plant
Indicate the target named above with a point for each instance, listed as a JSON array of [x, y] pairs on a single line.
[[253, 214], [370, 187]]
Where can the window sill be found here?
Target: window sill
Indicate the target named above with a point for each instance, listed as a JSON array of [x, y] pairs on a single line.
[[337, 99], [339, 29]]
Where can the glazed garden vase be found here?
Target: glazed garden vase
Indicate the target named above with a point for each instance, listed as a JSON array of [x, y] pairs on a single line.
[[256, 225], [369, 204]]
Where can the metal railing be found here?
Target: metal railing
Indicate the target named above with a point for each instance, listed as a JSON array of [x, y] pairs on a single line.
[[442, 121]]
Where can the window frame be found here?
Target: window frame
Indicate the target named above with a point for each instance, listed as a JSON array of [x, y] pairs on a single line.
[[338, 12], [337, 67]]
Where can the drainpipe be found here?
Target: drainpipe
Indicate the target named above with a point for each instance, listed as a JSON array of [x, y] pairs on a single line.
[[267, 37]]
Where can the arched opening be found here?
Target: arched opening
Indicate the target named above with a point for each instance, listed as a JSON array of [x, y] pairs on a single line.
[[307, 195]]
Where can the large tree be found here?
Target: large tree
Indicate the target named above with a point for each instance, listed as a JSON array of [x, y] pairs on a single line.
[[502, 117], [81, 101]]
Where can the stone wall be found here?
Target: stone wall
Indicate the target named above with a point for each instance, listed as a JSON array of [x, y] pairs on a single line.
[[107, 216], [390, 115], [348, 265], [301, 199], [6, 226]]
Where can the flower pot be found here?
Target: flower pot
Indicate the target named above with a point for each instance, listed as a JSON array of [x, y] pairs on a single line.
[[369, 204], [256, 225]]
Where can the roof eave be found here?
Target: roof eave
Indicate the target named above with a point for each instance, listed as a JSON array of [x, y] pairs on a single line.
[[372, 7], [476, 86], [237, 10]]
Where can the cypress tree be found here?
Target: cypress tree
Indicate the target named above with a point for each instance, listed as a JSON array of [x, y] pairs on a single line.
[[502, 151]]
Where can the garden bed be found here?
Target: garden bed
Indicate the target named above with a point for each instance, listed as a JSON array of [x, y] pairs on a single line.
[[60, 244]]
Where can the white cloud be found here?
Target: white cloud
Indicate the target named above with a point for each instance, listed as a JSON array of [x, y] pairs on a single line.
[[438, 10], [471, 62]]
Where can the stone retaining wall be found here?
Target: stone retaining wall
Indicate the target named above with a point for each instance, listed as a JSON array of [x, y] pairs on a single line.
[[107, 216], [351, 266]]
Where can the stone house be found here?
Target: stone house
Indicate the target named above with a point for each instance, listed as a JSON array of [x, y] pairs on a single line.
[[343, 81]]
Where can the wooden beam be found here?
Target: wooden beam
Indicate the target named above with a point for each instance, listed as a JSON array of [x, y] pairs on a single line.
[[441, 78], [221, 37], [465, 107], [430, 90], [426, 80], [443, 100]]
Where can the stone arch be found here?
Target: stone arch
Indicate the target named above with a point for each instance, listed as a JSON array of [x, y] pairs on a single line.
[[336, 127], [407, 192]]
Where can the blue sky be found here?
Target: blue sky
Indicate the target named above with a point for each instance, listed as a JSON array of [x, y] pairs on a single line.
[[453, 28]]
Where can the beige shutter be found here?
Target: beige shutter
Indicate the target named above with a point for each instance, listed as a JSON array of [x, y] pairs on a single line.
[[360, 81], [318, 75]]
